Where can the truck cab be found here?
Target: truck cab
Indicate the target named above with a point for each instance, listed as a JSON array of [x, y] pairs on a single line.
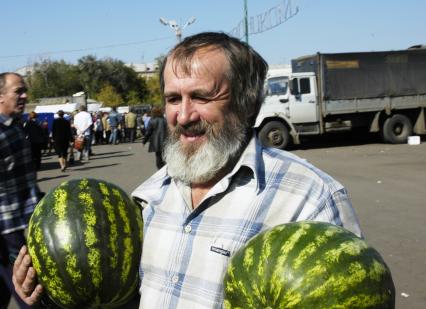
[[290, 101]]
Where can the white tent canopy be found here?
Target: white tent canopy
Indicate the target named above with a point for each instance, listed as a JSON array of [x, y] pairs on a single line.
[[67, 108]]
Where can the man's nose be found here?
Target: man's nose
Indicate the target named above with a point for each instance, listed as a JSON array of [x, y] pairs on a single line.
[[187, 113]]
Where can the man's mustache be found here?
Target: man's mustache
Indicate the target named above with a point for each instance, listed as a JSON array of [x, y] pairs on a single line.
[[193, 128]]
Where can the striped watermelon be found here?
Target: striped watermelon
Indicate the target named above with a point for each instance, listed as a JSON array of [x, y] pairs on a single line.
[[85, 240], [308, 265]]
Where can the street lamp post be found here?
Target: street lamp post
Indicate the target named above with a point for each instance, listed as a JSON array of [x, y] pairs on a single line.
[[177, 28], [246, 21]]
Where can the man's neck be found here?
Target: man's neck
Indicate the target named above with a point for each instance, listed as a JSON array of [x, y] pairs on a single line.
[[200, 190]]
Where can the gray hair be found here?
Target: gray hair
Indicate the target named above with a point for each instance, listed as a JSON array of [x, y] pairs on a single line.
[[247, 70]]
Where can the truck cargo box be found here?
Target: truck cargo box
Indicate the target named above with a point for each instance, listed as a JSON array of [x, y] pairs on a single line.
[[365, 75]]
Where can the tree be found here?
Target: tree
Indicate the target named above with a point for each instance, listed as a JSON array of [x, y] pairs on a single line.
[[154, 96], [91, 75], [133, 98], [109, 97], [53, 79], [95, 74]]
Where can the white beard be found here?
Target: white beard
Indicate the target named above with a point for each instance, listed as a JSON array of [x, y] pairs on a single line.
[[204, 163]]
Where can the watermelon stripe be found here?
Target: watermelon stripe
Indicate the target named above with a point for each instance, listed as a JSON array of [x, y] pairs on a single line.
[[39, 252], [91, 239], [112, 223], [276, 286], [128, 244]]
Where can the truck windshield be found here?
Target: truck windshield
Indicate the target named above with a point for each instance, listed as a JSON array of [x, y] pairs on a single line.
[[277, 85]]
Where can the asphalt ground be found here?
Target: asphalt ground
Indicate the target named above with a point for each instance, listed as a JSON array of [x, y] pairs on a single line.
[[387, 185]]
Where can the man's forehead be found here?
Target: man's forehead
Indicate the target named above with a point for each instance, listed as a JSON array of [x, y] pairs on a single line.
[[203, 61], [13, 80]]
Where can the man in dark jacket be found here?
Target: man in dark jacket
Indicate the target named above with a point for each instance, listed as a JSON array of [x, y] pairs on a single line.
[[156, 135], [61, 135], [34, 133], [19, 192]]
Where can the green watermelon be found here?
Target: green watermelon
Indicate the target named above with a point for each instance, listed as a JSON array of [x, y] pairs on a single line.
[[85, 240], [308, 265]]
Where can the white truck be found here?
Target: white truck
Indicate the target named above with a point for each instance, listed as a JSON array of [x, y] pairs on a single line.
[[368, 91]]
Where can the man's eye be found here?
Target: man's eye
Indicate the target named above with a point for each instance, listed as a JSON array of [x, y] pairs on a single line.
[[199, 99], [21, 90], [172, 100]]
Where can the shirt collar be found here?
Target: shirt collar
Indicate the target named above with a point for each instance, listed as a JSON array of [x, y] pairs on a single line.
[[6, 120], [251, 158]]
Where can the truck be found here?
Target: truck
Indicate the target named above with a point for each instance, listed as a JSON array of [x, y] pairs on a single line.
[[382, 91]]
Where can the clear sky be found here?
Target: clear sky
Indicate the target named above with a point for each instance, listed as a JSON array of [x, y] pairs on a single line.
[[130, 30]]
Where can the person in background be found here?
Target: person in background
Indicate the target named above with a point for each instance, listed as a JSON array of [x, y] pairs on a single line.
[[156, 135], [139, 125], [61, 137], [83, 125], [107, 128], [220, 186], [114, 122], [47, 143], [19, 192], [99, 129], [130, 124], [146, 117], [34, 133], [122, 130]]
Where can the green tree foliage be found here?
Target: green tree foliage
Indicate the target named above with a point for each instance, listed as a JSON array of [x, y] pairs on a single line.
[[154, 94], [95, 74], [92, 75], [133, 98], [109, 97], [53, 79]]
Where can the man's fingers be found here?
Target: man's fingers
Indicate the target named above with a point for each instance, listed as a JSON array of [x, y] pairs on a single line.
[[21, 269], [28, 289], [34, 297], [25, 279], [29, 283], [19, 258]]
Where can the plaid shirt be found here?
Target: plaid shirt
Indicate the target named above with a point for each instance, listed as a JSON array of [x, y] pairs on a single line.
[[186, 251], [18, 184]]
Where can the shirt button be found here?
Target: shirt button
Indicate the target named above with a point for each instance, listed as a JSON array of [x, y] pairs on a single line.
[[188, 229], [175, 279]]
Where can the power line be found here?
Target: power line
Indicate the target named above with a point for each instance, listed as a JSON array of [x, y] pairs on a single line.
[[86, 49]]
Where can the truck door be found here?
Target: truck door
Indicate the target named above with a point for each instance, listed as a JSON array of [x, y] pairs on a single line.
[[302, 102], [276, 90]]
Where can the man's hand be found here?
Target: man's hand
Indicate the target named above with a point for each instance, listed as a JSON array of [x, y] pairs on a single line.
[[25, 279]]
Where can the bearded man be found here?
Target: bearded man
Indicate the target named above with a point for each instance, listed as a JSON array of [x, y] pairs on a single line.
[[220, 186]]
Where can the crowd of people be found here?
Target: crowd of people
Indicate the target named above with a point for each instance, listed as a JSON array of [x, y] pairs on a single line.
[[72, 135], [218, 188]]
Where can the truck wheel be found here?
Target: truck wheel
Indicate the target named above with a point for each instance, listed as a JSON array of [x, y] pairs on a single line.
[[274, 134], [397, 129]]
